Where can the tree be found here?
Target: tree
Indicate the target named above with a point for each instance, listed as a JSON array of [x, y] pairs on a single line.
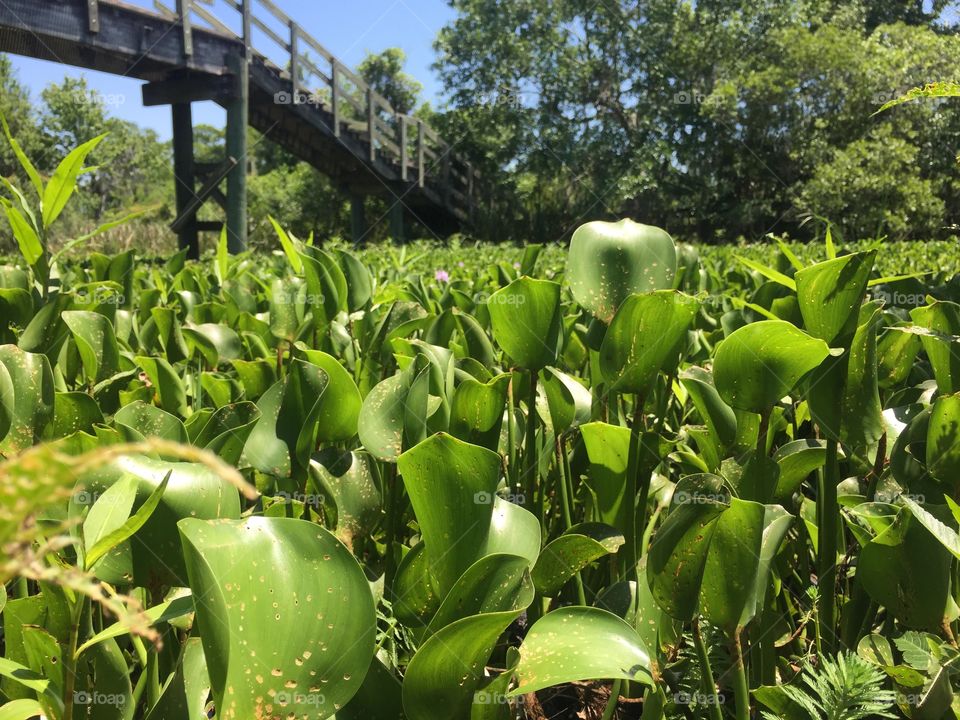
[[384, 72], [707, 118]]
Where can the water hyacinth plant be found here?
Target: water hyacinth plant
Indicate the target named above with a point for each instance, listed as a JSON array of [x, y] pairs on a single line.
[[628, 482]]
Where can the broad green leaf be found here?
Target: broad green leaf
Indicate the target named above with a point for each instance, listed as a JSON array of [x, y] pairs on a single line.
[[177, 607], [138, 420], [33, 397], [645, 337], [608, 447], [288, 620], [193, 491], [718, 416], [568, 400], [340, 403], [830, 294], [104, 543], [26, 235], [167, 385], [350, 479], [21, 710], [797, 460], [942, 318], [608, 261], [762, 362], [943, 440], [580, 643], [72, 412], [906, 569], [526, 318], [494, 583], [446, 670], [288, 245], [564, 557], [450, 484], [476, 414], [64, 181], [24, 160]]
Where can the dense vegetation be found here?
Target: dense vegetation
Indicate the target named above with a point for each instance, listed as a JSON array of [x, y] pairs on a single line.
[[722, 120], [617, 480]]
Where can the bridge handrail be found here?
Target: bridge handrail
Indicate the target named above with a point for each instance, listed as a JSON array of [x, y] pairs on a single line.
[[393, 137]]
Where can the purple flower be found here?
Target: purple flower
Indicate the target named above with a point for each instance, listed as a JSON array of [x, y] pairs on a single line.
[[442, 276], [516, 266], [460, 264]]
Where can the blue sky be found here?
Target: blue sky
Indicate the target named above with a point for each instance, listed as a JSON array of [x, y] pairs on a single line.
[[347, 28]]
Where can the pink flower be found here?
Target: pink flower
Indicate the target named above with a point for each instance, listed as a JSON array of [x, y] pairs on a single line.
[[442, 276], [516, 266]]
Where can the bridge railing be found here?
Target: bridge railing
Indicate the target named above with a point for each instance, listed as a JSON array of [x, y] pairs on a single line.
[[317, 77]]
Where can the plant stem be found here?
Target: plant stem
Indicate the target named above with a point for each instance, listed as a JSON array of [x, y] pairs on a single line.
[[70, 658], [612, 701], [632, 489], [741, 690], [563, 474], [532, 499], [828, 510], [706, 672]]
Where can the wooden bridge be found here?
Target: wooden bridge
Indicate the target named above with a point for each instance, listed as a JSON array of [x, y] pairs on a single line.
[[304, 99]]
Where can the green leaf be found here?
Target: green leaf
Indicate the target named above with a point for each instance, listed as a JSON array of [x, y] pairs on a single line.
[[223, 256], [942, 318], [564, 557], [96, 341], [645, 337], [526, 319], [476, 414], [830, 294], [25, 163], [177, 607], [170, 392], [573, 644], [21, 710], [608, 261], [106, 543], [33, 397], [288, 620], [64, 181], [451, 485], [288, 245], [340, 402], [762, 362], [27, 238], [943, 440], [769, 273]]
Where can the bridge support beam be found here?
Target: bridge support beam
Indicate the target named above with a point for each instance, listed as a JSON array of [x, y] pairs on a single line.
[[358, 218], [238, 111], [184, 176], [396, 222]]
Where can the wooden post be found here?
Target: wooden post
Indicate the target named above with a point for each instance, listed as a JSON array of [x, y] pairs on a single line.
[[184, 8], [93, 16], [245, 27], [237, 119], [295, 61], [403, 148], [445, 170], [358, 218], [421, 164], [396, 221], [372, 124], [184, 175], [335, 96]]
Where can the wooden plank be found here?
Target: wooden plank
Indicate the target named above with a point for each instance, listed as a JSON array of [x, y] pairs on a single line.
[[335, 96], [238, 119], [209, 18], [275, 11], [317, 47], [166, 12], [295, 60], [211, 226], [314, 70], [269, 32], [244, 7], [183, 15], [184, 177], [93, 15]]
